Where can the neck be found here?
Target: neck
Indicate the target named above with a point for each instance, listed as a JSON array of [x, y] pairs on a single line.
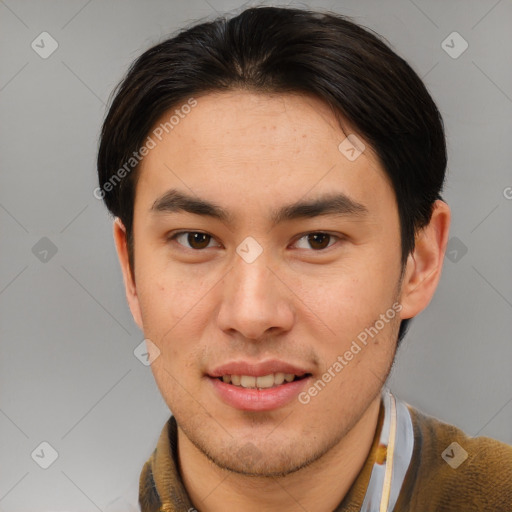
[[321, 486]]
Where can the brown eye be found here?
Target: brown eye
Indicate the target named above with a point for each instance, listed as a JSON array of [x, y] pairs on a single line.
[[316, 241], [194, 239]]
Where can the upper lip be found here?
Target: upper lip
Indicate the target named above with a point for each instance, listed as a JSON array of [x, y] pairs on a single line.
[[256, 369]]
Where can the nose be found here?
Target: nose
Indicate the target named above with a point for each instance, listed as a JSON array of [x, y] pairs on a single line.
[[256, 300]]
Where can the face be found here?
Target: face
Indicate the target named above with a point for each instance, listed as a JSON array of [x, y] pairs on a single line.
[[264, 252]]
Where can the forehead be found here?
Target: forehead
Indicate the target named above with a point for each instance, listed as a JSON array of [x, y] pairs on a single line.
[[252, 143], [279, 123]]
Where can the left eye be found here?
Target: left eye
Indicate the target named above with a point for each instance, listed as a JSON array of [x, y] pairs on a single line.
[[317, 240]]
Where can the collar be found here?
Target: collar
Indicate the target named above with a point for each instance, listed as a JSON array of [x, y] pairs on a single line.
[[376, 487]]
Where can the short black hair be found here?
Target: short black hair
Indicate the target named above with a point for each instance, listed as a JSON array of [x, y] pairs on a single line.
[[282, 50]]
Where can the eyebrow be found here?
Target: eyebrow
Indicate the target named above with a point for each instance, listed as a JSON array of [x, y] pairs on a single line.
[[339, 204]]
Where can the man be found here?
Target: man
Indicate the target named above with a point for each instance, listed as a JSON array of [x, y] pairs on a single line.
[[275, 180]]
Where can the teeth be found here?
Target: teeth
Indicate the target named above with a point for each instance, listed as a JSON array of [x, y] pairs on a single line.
[[246, 381], [278, 378], [263, 382], [266, 381]]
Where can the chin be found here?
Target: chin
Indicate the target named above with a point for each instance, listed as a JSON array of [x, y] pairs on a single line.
[[249, 461], [264, 458]]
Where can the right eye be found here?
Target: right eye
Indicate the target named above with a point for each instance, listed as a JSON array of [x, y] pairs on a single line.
[[196, 240]]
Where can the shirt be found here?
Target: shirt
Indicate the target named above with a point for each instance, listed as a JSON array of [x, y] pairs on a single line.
[[447, 471]]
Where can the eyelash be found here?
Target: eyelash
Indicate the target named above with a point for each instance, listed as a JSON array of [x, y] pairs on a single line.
[[174, 236]]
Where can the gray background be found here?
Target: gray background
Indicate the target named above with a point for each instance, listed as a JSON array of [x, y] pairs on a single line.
[[68, 374]]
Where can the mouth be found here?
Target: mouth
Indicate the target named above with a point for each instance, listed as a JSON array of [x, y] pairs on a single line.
[[262, 386], [272, 380]]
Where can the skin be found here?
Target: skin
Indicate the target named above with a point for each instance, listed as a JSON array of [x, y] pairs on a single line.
[[298, 302]]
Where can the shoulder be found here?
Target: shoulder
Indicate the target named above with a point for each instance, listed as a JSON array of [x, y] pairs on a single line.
[[457, 472]]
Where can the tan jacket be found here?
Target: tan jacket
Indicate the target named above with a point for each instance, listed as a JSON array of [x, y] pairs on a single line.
[[482, 482]]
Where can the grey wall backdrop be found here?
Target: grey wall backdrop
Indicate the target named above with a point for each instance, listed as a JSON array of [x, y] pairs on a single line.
[[68, 374]]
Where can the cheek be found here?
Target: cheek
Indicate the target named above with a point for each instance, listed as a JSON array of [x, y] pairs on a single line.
[[352, 309], [175, 310], [169, 318], [351, 294], [158, 303], [165, 291], [162, 306]]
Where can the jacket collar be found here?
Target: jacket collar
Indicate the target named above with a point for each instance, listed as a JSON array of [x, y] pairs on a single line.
[[161, 487]]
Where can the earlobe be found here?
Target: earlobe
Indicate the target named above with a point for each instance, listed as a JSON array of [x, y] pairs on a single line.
[[425, 263], [128, 276]]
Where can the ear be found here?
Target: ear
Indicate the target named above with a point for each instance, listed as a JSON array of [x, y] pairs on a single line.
[[424, 264], [128, 277]]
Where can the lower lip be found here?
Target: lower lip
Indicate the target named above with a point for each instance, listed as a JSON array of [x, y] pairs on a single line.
[[247, 399]]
